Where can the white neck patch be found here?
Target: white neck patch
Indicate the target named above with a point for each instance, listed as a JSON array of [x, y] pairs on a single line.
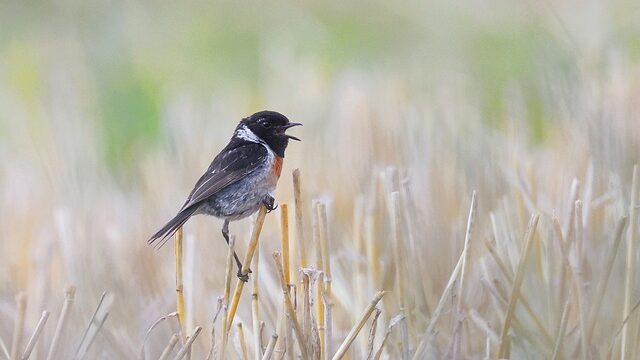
[[246, 134]]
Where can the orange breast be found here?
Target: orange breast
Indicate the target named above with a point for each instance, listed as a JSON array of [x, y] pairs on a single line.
[[276, 170]]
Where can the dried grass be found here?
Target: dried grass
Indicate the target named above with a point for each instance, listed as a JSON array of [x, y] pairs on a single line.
[[411, 188]]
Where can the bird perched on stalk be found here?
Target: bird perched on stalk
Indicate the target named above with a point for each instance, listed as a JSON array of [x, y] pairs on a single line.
[[241, 178]]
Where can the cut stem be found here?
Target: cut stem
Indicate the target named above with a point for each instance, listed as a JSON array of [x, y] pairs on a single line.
[[396, 232], [355, 330], [227, 294], [466, 249], [557, 349], [445, 293], [515, 289], [69, 297], [36, 335], [324, 290], [242, 341], [169, 348], [18, 327], [253, 244], [186, 348], [602, 284], [289, 306], [629, 290], [284, 345], [180, 284], [269, 350], [328, 305], [300, 241], [255, 308], [284, 231]]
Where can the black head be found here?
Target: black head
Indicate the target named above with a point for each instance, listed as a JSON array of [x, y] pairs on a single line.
[[269, 127]]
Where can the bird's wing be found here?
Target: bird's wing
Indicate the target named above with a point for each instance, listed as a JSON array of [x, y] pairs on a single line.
[[228, 167]]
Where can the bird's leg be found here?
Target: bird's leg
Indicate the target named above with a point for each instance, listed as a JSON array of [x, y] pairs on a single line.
[[270, 203], [225, 234]]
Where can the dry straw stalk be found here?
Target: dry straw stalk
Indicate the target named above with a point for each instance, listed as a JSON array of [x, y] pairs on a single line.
[[398, 242], [355, 330], [602, 284], [515, 289], [227, 294], [69, 297], [253, 244], [300, 240], [284, 238], [289, 306], [180, 284], [324, 289], [36, 335], [242, 341], [18, 329], [170, 346], [422, 345], [286, 344], [186, 348], [629, 289], [268, 353], [255, 308]]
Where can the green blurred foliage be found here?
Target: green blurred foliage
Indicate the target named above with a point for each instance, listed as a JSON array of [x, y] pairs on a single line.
[[23, 70], [509, 56], [131, 115], [136, 52]]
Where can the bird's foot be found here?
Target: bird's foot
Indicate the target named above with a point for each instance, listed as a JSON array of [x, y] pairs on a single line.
[[243, 277], [269, 202]]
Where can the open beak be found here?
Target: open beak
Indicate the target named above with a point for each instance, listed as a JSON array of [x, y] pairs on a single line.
[[290, 125]]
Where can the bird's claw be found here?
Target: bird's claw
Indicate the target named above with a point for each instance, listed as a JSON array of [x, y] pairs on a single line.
[[270, 203], [243, 277]]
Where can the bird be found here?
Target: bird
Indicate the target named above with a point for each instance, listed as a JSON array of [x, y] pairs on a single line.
[[240, 179]]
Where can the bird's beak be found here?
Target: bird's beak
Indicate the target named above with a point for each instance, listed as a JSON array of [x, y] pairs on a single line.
[[290, 125]]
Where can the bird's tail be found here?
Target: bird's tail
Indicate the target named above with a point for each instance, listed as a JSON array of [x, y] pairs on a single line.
[[171, 227]]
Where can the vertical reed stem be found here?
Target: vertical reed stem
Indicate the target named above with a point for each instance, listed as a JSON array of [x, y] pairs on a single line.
[[186, 348], [466, 249], [602, 284], [242, 341], [227, 294], [300, 241], [253, 244], [515, 289], [283, 329], [36, 335], [578, 278], [284, 231], [269, 350], [255, 313], [289, 306], [342, 350], [169, 348], [396, 232], [69, 297], [629, 290], [180, 284], [18, 327], [323, 289]]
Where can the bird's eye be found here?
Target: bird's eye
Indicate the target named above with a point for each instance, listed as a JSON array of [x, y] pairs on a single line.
[[265, 124]]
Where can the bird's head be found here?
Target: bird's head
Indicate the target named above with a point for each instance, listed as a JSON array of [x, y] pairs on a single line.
[[269, 127]]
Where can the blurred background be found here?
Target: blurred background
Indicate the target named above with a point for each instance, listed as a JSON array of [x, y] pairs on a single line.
[[109, 112]]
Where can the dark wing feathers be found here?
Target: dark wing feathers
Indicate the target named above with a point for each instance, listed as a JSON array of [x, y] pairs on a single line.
[[172, 226], [227, 168], [231, 165]]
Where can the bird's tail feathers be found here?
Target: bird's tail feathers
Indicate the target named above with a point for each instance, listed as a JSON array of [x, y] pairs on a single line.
[[171, 227]]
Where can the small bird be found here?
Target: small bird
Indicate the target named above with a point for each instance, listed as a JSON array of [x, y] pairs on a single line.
[[241, 178]]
